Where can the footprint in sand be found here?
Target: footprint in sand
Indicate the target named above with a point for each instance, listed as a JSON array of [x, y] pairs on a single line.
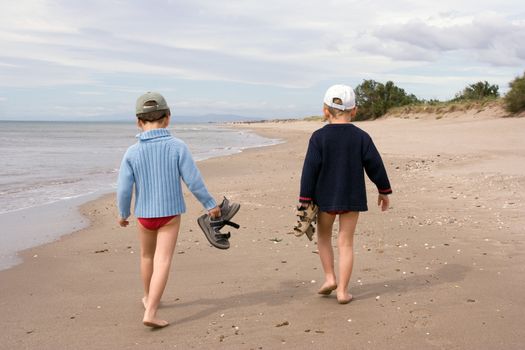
[[420, 318]]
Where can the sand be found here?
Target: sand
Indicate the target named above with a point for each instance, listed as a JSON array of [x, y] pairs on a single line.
[[442, 269]]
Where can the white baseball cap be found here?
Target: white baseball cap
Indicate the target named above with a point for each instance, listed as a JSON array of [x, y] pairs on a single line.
[[343, 92]]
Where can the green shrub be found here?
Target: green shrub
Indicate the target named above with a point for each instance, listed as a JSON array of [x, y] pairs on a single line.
[[515, 98], [374, 99], [478, 91]]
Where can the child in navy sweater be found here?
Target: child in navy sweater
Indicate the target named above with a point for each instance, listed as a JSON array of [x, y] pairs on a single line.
[[333, 179]]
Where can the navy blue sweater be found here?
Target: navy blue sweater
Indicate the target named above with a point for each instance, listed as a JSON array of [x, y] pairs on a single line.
[[334, 166]]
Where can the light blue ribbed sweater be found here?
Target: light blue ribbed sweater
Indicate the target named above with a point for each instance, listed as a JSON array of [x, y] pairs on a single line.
[[155, 165]]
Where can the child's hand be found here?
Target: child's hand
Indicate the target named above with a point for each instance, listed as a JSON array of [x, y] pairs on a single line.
[[383, 201], [215, 212], [123, 222]]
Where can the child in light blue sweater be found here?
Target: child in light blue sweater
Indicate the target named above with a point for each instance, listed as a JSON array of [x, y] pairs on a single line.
[[155, 166]]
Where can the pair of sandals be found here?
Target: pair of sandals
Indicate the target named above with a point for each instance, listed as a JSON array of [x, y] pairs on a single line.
[[306, 213], [212, 226], [307, 217]]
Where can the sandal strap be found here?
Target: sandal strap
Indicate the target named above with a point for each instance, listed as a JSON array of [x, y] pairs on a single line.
[[231, 223], [220, 235], [219, 223]]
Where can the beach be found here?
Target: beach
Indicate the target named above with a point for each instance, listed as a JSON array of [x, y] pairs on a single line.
[[442, 269]]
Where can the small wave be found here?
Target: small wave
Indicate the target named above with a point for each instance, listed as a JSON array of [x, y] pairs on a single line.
[[11, 209], [31, 187], [12, 173], [103, 171], [75, 196], [188, 129]]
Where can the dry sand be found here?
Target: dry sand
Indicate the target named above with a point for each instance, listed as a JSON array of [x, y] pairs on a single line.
[[442, 269]]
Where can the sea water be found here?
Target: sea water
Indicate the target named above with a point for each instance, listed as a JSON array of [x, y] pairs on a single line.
[[52, 167]]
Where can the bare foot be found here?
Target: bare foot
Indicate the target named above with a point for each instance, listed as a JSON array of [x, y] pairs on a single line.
[[145, 302], [344, 298], [155, 323], [327, 288]]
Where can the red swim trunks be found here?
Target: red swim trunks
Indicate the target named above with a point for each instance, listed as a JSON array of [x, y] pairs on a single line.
[[338, 212], [154, 224]]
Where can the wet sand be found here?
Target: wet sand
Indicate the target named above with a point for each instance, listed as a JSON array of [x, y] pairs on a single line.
[[442, 269]]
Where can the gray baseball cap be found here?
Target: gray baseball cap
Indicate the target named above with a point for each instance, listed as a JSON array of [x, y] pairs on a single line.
[[159, 105]]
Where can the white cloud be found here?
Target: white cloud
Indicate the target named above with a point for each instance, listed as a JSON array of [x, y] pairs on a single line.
[[488, 38], [94, 46]]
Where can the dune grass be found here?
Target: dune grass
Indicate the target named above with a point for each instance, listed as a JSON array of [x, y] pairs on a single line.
[[440, 108]]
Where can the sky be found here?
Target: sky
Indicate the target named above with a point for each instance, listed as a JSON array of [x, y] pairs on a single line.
[[90, 60]]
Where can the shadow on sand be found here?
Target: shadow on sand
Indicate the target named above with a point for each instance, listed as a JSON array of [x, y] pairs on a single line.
[[293, 290], [446, 274]]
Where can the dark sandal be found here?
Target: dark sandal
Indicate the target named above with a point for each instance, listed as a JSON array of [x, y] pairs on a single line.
[[212, 233], [228, 209], [212, 226]]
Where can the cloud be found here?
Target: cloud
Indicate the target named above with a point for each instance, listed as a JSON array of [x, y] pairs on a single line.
[[178, 54], [33, 73], [272, 54], [248, 42], [397, 51], [487, 38]]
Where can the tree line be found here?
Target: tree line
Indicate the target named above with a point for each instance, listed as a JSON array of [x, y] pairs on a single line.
[[374, 99]]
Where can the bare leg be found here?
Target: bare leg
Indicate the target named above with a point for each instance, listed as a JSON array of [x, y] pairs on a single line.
[[166, 239], [345, 242], [148, 243], [325, 222]]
